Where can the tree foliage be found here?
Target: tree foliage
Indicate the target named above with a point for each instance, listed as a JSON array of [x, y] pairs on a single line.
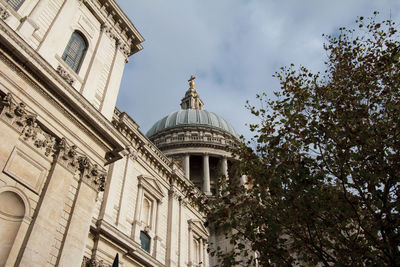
[[323, 169]]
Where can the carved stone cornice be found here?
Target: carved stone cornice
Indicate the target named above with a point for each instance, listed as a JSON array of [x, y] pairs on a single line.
[[120, 43], [124, 47], [109, 31], [132, 153], [65, 75], [174, 193], [124, 29], [4, 13], [72, 159]]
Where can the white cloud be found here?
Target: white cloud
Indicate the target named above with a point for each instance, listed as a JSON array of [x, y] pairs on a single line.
[[233, 47]]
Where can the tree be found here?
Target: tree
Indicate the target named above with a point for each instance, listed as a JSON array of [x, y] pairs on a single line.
[[324, 166]]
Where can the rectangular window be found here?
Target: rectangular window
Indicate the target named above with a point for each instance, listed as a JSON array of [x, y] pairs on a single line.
[[147, 207], [145, 241], [196, 251], [15, 4]]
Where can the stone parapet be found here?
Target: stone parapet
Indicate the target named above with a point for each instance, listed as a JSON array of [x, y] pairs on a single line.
[[193, 136]]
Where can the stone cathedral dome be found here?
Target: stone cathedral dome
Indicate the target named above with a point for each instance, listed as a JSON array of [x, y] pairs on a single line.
[[196, 139], [191, 117], [191, 114]]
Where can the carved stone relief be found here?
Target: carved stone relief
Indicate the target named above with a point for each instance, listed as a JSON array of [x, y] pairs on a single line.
[[16, 114], [65, 75], [93, 263], [3, 13], [23, 120], [119, 42], [73, 160]]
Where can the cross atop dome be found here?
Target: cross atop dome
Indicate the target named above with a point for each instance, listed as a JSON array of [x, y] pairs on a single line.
[[191, 100], [191, 81]]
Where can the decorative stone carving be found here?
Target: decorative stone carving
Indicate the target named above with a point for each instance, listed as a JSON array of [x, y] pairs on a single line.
[[3, 13], [68, 155], [132, 153], [86, 262], [73, 160], [65, 75], [173, 193], [109, 31], [40, 139], [124, 47], [21, 114], [8, 105], [25, 121]]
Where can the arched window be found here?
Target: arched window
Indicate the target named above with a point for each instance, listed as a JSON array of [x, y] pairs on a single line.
[[145, 241], [75, 51], [15, 4]]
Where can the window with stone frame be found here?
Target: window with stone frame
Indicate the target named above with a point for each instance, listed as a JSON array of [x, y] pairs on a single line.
[[149, 198], [15, 4], [198, 236], [145, 241], [196, 251], [75, 51]]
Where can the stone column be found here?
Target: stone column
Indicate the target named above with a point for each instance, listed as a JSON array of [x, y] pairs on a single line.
[[186, 165], [224, 167], [206, 174]]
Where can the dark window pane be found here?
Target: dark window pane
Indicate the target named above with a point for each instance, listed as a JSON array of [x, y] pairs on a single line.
[[145, 241], [15, 4], [75, 51]]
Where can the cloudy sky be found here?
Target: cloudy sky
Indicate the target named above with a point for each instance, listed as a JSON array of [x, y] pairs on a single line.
[[233, 47]]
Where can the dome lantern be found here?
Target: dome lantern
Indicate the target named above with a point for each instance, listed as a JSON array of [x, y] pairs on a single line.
[[197, 140], [191, 100]]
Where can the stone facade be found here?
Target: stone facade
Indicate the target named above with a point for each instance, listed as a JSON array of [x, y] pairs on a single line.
[[79, 182]]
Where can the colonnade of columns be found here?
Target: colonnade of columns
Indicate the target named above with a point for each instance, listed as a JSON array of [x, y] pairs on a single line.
[[206, 170]]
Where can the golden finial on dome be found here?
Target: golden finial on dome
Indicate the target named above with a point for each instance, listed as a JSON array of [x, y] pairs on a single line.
[[191, 82]]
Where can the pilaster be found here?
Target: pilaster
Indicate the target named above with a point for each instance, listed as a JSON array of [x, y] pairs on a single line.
[[173, 228]]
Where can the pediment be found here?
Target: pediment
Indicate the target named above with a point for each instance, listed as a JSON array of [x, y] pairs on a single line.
[[152, 186], [198, 227]]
